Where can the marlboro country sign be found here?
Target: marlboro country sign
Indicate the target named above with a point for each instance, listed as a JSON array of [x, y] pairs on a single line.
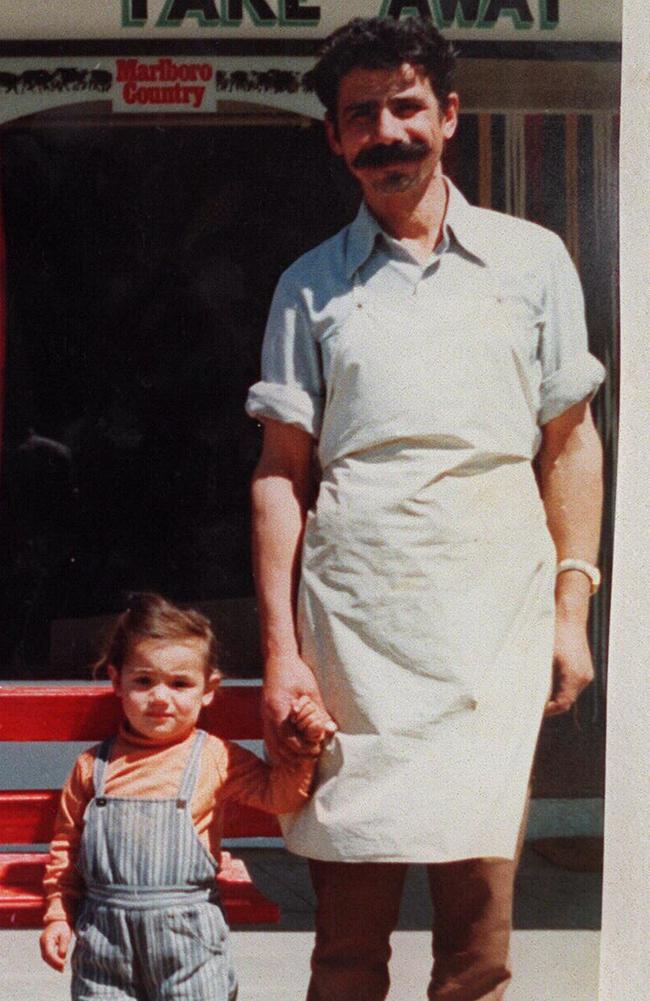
[[167, 84], [532, 20], [163, 85]]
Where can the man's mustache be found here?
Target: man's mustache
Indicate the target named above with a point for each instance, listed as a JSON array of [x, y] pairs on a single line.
[[384, 156]]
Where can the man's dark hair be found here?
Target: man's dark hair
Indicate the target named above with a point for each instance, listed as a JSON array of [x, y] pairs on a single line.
[[382, 43]]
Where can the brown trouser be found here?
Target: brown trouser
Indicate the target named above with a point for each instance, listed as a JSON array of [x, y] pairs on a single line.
[[358, 908]]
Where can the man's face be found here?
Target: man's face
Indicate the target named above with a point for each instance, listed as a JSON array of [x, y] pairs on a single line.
[[390, 129]]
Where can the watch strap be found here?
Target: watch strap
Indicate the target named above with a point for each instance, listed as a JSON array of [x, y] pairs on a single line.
[[591, 571]]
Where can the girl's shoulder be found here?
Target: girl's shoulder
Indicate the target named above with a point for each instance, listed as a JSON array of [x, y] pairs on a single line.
[[215, 748], [85, 762], [80, 778], [86, 759]]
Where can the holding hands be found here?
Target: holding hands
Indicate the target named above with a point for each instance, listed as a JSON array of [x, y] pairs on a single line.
[[313, 724], [295, 719]]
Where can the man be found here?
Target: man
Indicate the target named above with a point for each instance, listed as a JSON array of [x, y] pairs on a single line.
[[430, 351]]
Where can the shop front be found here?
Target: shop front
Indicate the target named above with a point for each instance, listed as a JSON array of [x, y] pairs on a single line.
[[161, 162]]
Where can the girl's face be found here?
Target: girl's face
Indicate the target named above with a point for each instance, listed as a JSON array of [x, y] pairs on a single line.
[[163, 686]]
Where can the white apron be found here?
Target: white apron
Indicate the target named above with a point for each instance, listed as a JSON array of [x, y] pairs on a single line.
[[426, 596]]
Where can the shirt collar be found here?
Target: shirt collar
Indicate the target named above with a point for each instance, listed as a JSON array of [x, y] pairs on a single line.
[[461, 224], [362, 235]]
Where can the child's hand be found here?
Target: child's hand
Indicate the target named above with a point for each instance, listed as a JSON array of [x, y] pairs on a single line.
[[55, 941], [312, 722]]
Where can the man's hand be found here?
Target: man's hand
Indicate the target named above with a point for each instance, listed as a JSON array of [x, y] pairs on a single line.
[[572, 666], [285, 682], [55, 942]]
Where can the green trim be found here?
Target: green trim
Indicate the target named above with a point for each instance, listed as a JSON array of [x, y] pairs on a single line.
[[127, 20], [512, 12], [297, 22], [544, 22], [457, 19], [412, 9], [259, 22], [205, 22]]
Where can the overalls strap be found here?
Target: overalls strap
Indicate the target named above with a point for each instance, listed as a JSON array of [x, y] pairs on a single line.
[[191, 773], [101, 763]]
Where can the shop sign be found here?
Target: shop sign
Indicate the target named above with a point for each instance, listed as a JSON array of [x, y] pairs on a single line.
[[164, 84], [534, 20]]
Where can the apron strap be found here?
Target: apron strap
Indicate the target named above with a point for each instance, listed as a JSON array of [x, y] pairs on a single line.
[[102, 758], [191, 773]]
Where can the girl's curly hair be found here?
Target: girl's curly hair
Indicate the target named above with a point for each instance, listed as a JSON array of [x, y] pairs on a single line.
[[150, 616]]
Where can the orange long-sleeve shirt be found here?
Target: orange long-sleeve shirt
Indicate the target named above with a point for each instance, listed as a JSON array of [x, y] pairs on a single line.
[[141, 768]]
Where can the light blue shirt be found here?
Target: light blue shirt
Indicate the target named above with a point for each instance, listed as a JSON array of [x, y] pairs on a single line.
[[528, 265]]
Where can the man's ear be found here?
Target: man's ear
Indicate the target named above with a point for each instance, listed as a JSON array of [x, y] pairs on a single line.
[[449, 116], [115, 679], [332, 133]]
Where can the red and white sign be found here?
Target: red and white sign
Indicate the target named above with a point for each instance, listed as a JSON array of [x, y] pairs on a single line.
[[163, 84]]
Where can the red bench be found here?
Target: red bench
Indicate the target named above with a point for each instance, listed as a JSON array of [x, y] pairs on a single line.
[[91, 713]]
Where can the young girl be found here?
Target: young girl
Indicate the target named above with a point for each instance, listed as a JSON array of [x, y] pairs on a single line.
[[133, 860]]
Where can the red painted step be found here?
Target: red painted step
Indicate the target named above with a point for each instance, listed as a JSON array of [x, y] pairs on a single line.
[[21, 897]]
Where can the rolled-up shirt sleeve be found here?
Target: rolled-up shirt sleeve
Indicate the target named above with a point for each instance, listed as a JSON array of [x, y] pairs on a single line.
[[569, 372], [291, 389]]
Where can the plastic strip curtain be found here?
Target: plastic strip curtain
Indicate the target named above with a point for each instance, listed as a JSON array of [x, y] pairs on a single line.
[[515, 163], [3, 316], [572, 237], [605, 194], [535, 168], [485, 160], [604, 172]]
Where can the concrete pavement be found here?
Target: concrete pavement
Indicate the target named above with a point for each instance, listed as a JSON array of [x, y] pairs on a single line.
[[273, 966], [555, 944]]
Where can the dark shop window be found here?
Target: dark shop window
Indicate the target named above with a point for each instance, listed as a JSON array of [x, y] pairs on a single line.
[[140, 266]]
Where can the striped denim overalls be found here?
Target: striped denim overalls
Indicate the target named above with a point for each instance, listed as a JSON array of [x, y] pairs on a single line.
[[150, 926]]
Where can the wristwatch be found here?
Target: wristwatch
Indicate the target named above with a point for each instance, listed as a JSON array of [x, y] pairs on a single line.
[[592, 572]]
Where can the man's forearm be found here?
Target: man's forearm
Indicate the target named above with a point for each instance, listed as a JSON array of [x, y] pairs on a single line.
[[281, 494], [278, 524], [570, 474], [570, 471]]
